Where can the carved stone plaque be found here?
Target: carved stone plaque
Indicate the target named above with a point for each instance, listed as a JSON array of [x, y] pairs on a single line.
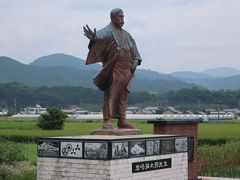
[[167, 146], [181, 144], [151, 165], [152, 147], [114, 148], [137, 148], [119, 150], [94, 150], [48, 149], [71, 149]]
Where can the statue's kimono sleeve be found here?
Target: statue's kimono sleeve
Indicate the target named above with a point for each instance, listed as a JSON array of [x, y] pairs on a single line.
[[97, 51], [97, 47], [136, 55], [133, 48]]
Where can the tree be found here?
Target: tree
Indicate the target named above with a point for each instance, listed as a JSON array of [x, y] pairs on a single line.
[[53, 119]]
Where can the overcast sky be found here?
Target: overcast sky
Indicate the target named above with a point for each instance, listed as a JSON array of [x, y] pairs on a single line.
[[171, 35]]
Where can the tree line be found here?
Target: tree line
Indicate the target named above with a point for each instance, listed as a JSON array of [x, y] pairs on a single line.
[[18, 95]]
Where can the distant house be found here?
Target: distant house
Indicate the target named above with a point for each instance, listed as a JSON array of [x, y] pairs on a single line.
[[232, 111], [76, 111], [208, 111], [171, 110], [201, 113], [151, 110], [214, 112], [132, 110], [217, 113], [142, 111], [34, 110], [189, 112], [4, 112]]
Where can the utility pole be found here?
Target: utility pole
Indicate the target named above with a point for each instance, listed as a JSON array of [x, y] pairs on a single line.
[[7, 109], [11, 110], [15, 105]]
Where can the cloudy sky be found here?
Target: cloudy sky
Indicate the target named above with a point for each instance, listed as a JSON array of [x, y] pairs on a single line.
[[172, 35]]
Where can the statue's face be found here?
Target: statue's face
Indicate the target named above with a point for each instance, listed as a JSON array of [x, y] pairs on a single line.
[[118, 20]]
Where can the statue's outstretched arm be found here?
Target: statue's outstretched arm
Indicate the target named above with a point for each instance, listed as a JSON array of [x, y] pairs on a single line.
[[91, 35]]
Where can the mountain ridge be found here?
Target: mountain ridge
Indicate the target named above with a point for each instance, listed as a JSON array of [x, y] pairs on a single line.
[[35, 75], [190, 74], [221, 72], [63, 69], [59, 59]]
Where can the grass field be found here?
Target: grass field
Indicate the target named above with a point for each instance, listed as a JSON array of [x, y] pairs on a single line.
[[28, 131], [228, 130], [219, 140], [220, 160], [20, 130], [31, 152]]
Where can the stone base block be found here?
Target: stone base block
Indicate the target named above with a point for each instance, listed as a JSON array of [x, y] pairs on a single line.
[[133, 157], [80, 169]]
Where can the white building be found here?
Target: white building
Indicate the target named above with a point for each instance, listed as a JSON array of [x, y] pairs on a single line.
[[34, 110]]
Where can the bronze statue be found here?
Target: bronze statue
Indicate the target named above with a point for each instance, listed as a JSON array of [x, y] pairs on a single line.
[[117, 51]]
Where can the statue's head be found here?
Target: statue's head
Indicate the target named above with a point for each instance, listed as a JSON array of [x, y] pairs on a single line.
[[117, 17]]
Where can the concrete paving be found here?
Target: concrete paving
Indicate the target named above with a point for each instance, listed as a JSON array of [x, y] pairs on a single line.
[[217, 178]]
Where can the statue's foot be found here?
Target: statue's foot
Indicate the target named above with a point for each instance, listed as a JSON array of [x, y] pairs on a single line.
[[107, 124], [125, 125]]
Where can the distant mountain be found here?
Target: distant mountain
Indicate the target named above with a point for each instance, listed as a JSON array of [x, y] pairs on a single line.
[[12, 70], [62, 69], [221, 72], [152, 75], [190, 75], [61, 59], [214, 79], [232, 82], [55, 75], [74, 62]]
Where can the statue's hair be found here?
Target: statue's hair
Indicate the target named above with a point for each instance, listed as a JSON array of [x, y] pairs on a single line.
[[115, 11]]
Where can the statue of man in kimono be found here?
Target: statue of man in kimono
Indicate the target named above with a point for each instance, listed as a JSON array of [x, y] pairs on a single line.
[[117, 51]]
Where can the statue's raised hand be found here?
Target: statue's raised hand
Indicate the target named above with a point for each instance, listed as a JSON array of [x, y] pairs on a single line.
[[91, 35]]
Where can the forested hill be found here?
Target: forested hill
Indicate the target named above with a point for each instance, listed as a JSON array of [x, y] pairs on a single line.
[[65, 96], [63, 70], [12, 70], [61, 59]]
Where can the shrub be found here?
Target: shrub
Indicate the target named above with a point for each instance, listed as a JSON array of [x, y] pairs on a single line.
[[53, 119], [18, 171], [11, 152]]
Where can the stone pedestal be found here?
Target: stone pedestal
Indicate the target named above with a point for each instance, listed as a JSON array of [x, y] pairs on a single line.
[[182, 127], [117, 131], [113, 157]]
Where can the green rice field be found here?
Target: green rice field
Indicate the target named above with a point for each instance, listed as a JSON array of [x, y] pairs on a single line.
[[219, 141]]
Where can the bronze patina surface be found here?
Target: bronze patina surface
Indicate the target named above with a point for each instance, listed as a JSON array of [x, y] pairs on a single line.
[[117, 50]]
